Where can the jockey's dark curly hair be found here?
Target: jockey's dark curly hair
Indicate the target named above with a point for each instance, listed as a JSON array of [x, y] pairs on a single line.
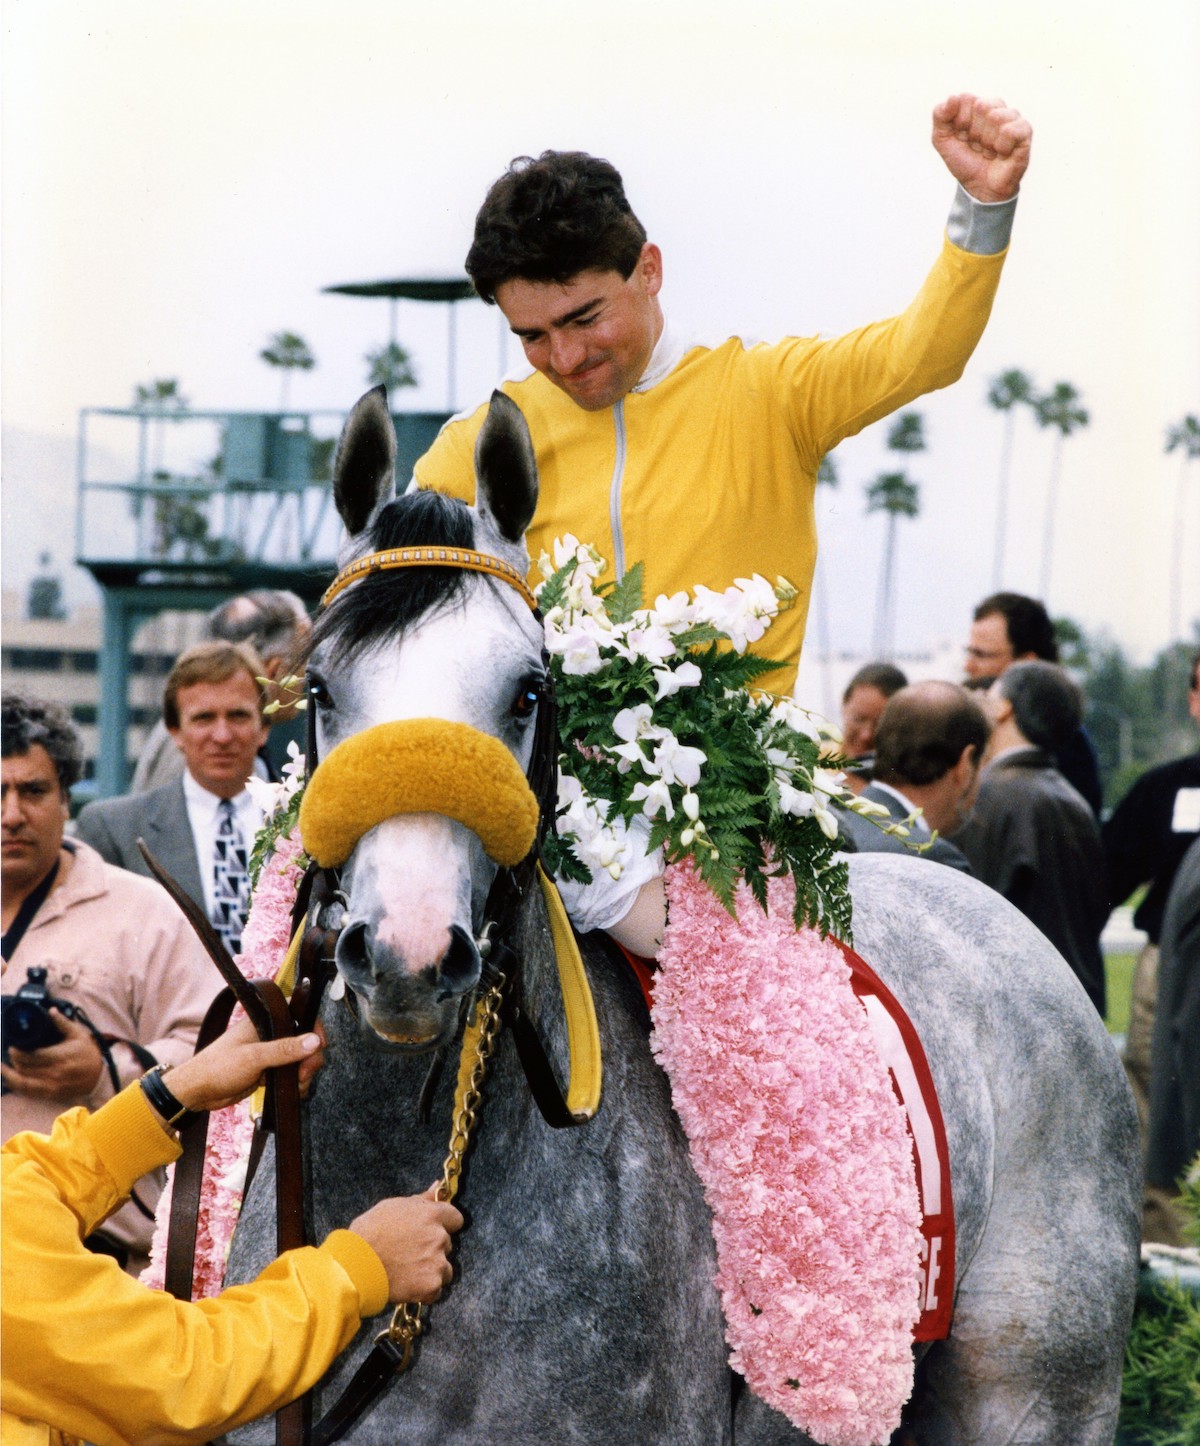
[[26, 721], [550, 219]]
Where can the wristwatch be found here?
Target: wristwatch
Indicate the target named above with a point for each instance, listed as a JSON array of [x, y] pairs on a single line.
[[160, 1098]]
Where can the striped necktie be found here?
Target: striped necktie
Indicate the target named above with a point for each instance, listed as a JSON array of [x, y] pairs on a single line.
[[231, 879]]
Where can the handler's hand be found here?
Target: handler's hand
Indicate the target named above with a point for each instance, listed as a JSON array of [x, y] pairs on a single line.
[[67, 1070], [411, 1235], [232, 1066], [985, 145]]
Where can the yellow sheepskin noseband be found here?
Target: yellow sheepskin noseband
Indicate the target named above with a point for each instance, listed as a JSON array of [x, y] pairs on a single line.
[[418, 765]]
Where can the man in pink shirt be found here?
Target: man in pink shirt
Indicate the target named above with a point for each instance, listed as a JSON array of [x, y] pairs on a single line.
[[112, 945]]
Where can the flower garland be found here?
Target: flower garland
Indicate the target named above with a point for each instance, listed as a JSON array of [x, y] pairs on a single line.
[[265, 941], [802, 1148], [657, 721]]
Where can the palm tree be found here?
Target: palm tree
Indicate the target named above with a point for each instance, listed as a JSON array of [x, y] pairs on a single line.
[[1059, 409], [898, 496], [289, 353], [1006, 392], [157, 399], [390, 367], [1184, 437]]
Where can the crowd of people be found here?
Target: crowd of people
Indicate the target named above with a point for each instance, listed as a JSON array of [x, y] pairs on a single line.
[[1001, 769], [997, 770]]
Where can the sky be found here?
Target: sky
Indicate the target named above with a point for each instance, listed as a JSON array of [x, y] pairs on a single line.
[[179, 182]]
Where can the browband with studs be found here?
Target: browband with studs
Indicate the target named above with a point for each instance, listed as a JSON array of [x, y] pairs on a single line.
[[428, 557]]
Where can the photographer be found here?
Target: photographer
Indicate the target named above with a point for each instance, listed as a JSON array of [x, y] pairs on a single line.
[[92, 1353], [125, 982]]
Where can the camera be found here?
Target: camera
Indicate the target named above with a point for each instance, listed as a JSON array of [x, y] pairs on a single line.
[[25, 1021]]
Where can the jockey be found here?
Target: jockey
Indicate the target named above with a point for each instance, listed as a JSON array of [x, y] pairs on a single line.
[[699, 458]]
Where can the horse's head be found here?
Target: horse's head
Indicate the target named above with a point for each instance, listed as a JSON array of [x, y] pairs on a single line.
[[443, 656]]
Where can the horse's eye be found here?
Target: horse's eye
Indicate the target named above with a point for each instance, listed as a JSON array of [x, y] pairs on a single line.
[[526, 701], [318, 692]]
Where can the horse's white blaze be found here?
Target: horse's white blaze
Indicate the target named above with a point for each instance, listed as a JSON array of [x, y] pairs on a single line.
[[451, 667], [417, 893]]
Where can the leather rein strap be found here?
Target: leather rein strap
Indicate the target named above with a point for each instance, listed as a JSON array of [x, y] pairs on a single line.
[[274, 1017]]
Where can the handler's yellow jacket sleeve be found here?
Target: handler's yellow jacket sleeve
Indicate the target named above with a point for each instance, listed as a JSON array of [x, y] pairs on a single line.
[[90, 1352]]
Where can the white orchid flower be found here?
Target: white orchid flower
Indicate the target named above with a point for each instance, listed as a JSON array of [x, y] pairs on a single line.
[[650, 641], [788, 712], [579, 649], [795, 801], [566, 549], [742, 612], [630, 755], [868, 808], [656, 796], [674, 612], [677, 762], [827, 781], [634, 722], [270, 797], [294, 769], [670, 680]]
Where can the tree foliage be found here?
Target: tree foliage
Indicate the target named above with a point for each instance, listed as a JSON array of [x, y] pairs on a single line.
[[1137, 715], [390, 366]]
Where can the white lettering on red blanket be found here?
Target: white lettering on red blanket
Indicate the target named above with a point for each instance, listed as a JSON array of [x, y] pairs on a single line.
[[901, 1051]]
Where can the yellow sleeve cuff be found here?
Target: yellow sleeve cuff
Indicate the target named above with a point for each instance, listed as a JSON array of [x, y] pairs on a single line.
[[129, 1138], [364, 1268]]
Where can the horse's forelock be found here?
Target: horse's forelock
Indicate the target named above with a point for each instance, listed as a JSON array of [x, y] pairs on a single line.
[[383, 604]]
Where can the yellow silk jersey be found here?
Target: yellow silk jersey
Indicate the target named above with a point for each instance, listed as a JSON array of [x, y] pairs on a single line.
[[706, 471]]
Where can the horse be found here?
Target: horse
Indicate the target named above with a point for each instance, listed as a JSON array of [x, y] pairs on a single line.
[[583, 1308]]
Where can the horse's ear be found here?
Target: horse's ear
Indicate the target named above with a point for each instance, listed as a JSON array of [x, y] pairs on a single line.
[[505, 470], [364, 470]]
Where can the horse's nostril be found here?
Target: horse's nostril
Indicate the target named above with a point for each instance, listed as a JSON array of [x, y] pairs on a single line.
[[353, 952], [460, 966]]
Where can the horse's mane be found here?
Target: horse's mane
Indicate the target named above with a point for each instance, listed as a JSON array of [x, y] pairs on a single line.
[[384, 604]]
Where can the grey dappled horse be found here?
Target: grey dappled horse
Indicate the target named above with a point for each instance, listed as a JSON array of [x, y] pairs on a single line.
[[583, 1308]]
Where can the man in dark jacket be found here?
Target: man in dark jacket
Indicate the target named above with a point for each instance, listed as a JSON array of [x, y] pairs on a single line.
[[1032, 837], [1010, 628], [1174, 1134], [1145, 841]]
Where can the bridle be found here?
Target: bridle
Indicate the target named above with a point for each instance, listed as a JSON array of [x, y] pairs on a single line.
[[512, 883], [498, 997]]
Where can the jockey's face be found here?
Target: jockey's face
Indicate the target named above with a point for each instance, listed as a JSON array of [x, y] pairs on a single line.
[[592, 335]]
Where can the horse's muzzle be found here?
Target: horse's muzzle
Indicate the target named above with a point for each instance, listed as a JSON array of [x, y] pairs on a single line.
[[408, 1009]]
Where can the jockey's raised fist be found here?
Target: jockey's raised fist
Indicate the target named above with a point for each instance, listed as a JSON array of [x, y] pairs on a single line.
[[984, 143]]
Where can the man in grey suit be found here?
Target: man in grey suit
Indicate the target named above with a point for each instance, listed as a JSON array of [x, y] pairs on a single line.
[[928, 748], [275, 624], [201, 827]]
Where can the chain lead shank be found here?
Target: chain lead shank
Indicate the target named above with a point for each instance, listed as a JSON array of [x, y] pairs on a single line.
[[408, 1320]]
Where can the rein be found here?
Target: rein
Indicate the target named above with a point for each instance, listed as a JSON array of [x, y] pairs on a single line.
[[309, 967]]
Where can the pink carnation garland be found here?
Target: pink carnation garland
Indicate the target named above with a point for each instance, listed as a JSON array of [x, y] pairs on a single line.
[[265, 940], [804, 1155]]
